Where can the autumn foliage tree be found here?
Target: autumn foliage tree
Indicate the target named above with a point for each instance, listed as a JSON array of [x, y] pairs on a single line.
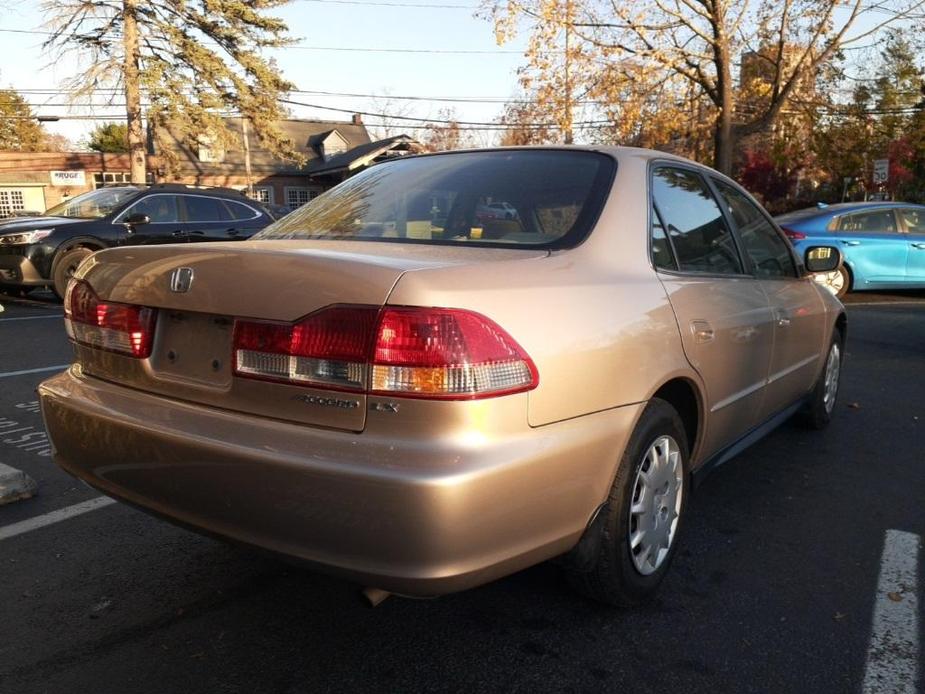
[[193, 61], [19, 130], [687, 51]]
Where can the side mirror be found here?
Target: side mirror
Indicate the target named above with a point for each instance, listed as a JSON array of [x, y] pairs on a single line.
[[822, 259], [136, 219]]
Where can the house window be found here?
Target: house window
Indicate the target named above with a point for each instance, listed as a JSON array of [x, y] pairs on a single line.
[[107, 178], [11, 201], [262, 194], [296, 197]]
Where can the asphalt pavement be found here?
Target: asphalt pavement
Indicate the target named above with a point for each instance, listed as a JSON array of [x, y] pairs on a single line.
[[774, 589]]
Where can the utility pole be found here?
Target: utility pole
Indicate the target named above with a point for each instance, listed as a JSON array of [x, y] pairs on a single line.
[[136, 138], [247, 158], [567, 120]]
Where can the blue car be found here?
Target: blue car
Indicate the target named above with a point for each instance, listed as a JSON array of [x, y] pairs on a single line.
[[883, 243]]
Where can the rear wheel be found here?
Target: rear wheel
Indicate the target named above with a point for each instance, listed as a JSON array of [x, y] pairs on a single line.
[[15, 290], [65, 266], [838, 281], [643, 514]]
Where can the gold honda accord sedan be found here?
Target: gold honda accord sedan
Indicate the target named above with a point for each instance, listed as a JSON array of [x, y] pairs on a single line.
[[451, 367]]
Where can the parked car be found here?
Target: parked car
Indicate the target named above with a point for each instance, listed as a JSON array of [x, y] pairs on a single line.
[[883, 243], [423, 412], [495, 210], [45, 250]]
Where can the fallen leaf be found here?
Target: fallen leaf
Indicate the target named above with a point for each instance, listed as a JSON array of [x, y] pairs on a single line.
[[840, 616], [854, 405], [895, 597]]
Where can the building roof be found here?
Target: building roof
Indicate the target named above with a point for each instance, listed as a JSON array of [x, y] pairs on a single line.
[[306, 136], [364, 154]]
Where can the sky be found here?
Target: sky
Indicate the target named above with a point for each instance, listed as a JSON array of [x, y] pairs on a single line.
[[492, 74], [486, 71]]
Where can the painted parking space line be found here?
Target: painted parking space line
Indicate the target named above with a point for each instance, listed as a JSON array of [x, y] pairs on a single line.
[[59, 367], [47, 519], [893, 653], [9, 320]]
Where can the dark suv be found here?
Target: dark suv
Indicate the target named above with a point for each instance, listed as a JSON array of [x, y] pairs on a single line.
[[45, 250]]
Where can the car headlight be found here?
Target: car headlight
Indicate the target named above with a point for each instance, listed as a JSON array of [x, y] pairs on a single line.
[[25, 237]]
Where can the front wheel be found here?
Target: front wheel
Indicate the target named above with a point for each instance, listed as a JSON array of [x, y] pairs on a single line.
[[821, 404], [65, 267], [644, 512]]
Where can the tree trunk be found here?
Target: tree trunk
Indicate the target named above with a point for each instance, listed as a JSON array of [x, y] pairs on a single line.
[[723, 142], [136, 138]]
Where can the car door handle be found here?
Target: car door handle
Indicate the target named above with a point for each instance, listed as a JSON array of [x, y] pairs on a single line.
[[851, 243], [702, 331], [920, 246], [178, 232], [232, 232], [196, 233]]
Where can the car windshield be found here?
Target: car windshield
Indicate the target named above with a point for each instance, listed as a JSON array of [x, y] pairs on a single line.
[[92, 205], [550, 198]]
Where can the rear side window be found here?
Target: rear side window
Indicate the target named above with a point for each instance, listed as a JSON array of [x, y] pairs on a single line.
[[202, 209], [765, 248], [238, 211], [914, 219], [161, 209], [514, 198], [877, 221], [693, 222]]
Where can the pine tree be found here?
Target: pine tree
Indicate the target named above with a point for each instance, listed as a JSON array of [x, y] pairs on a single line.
[[19, 130], [109, 137], [192, 61]]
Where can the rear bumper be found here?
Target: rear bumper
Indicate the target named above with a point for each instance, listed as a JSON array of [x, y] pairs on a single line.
[[413, 516], [19, 270]]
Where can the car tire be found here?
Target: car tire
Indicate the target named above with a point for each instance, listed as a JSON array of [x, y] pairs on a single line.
[[619, 574], [16, 290], [818, 412], [65, 265], [838, 281]]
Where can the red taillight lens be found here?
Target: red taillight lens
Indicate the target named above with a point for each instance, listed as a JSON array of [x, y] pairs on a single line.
[[792, 234], [420, 352], [107, 325], [447, 353], [328, 348]]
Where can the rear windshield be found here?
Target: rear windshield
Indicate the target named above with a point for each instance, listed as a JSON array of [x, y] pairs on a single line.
[[548, 198]]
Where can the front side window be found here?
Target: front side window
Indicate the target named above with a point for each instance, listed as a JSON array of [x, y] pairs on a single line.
[[873, 222], [764, 247], [694, 223], [161, 209], [509, 198], [94, 204]]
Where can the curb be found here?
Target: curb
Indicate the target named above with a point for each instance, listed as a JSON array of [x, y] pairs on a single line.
[[15, 485]]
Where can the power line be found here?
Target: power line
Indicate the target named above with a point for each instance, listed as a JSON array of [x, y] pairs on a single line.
[[342, 49]]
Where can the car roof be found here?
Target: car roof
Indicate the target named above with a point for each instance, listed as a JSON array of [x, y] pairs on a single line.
[[841, 208]]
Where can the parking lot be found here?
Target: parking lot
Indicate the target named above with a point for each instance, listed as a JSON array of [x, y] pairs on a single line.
[[779, 585]]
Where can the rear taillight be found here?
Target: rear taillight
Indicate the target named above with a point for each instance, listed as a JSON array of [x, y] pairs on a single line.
[[417, 352], [792, 234], [115, 327], [327, 348], [447, 353]]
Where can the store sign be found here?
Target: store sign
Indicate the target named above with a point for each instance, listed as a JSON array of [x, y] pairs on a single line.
[[68, 178]]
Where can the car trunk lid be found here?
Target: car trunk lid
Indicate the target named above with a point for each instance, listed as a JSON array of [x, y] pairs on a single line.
[[200, 291]]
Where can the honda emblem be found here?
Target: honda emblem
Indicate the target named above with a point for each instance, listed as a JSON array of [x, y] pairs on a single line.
[[181, 279]]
